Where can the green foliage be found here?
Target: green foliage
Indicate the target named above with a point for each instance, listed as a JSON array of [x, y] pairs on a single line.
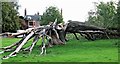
[[0, 17], [118, 13], [50, 15], [104, 16], [10, 19], [74, 51]]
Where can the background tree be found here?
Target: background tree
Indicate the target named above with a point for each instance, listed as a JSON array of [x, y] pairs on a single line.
[[92, 18], [104, 16], [118, 15], [50, 15], [0, 17], [10, 19]]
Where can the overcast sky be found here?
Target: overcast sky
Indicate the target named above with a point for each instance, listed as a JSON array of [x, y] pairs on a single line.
[[72, 9]]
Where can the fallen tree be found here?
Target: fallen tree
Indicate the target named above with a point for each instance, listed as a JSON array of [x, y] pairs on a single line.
[[90, 32], [54, 34], [51, 33]]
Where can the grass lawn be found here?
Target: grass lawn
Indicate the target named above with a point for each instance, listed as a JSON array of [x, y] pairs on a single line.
[[74, 51]]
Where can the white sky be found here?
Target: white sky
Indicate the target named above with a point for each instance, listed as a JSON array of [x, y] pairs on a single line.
[[72, 9]]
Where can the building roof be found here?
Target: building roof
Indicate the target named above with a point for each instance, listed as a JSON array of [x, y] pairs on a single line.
[[33, 17]]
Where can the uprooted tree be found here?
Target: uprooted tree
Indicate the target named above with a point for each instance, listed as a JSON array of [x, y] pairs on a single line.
[[90, 32], [55, 35], [49, 32]]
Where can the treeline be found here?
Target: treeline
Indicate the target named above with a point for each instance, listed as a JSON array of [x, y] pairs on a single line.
[[106, 15], [118, 15], [50, 15], [10, 18]]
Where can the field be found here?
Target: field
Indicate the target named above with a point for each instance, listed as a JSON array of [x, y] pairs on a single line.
[[81, 50]]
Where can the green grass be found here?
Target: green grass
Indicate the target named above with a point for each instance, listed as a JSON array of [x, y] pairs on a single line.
[[74, 51]]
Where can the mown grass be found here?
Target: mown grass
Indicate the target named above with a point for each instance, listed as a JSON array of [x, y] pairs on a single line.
[[74, 51]]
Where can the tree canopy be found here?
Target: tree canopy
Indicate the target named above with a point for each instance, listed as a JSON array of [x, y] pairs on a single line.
[[118, 14], [50, 15], [104, 16], [10, 19]]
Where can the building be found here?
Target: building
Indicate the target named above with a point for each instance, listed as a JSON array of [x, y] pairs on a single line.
[[32, 20]]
